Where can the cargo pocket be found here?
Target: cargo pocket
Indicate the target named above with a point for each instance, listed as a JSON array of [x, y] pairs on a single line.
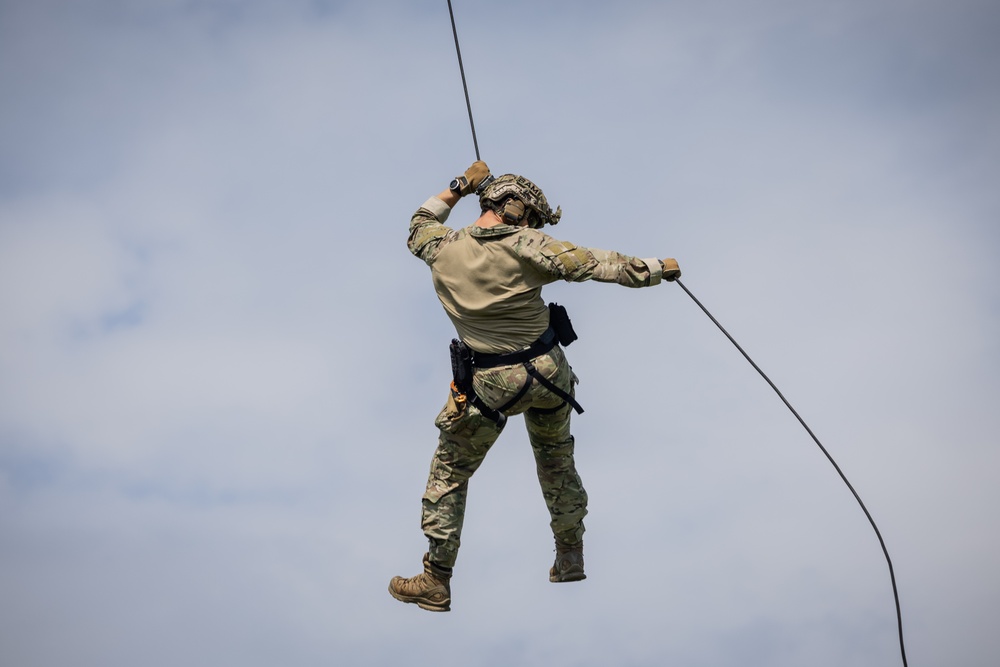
[[458, 418]]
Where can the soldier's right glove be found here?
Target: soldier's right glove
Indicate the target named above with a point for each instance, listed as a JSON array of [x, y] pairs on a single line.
[[470, 181], [671, 271]]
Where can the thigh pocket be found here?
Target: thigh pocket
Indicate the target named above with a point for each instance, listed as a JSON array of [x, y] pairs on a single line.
[[459, 418]]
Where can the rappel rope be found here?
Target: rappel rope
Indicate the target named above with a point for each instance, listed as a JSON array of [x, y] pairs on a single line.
[[878, 534], [885, 551], [465, 86]]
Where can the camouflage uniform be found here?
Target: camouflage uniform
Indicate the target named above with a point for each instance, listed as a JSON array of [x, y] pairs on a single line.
[[489, 281]]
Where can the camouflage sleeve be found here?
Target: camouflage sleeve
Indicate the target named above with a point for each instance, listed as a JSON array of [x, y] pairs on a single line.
[[577, 264], [427, 228], [614, 267]]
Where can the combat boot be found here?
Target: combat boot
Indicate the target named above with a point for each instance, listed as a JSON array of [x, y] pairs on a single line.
[[569, 563], [430, 590]]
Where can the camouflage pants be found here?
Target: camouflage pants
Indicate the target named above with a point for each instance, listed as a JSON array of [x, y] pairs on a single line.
[[467, 436]]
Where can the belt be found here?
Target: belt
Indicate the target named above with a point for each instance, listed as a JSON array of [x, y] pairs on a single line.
[[545, 342]]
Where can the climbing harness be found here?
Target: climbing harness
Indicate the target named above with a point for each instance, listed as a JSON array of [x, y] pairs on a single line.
[[464, 362], [534, 373], [545, 342], [560, 331], [885, 551]]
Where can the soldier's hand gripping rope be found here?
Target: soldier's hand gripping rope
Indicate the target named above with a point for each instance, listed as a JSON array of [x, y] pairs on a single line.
[[671, 271], [475, 178]]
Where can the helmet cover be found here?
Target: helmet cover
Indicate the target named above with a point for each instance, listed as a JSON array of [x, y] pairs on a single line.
[[504, 187]]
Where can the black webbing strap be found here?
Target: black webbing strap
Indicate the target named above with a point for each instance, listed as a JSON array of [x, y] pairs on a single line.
[[548, 411], [545, 342], [496, 416], [534, 374], [553, 388]]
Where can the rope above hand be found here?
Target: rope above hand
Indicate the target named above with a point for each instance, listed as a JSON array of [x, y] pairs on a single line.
[[465, 86]]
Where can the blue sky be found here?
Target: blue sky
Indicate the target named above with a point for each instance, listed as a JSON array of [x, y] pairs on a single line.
[[219, 366]]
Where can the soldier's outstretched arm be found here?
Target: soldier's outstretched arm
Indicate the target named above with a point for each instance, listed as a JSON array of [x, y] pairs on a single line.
[[615, 267], [577, 264]]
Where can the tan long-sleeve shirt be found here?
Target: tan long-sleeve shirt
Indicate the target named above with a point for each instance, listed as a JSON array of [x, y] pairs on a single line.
[[490, 280]]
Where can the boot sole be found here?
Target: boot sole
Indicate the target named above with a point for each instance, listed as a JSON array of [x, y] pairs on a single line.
[[429, 606], [567, 577]]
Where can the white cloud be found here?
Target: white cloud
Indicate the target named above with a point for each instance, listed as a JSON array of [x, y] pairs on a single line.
[[219, 366]]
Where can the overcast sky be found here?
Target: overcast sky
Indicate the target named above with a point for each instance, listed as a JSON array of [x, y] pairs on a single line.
[[219, 365]]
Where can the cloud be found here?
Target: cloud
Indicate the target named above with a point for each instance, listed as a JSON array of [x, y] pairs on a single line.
[[219, 365]]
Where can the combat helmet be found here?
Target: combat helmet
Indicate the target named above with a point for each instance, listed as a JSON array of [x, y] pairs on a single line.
[[514, 197]]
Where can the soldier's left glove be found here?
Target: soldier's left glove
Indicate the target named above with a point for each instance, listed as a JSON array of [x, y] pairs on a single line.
[[470, 181], [671, 271]]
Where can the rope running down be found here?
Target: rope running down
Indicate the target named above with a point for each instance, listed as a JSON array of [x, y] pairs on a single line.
[[885, 551]]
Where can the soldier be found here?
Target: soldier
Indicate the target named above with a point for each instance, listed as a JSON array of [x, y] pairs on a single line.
[[508, 361]]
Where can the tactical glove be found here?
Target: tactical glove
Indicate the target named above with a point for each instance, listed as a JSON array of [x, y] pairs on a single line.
[[671, 271], [471, 180]]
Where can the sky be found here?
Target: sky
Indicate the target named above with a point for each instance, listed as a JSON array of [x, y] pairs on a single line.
[[219, 365]]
